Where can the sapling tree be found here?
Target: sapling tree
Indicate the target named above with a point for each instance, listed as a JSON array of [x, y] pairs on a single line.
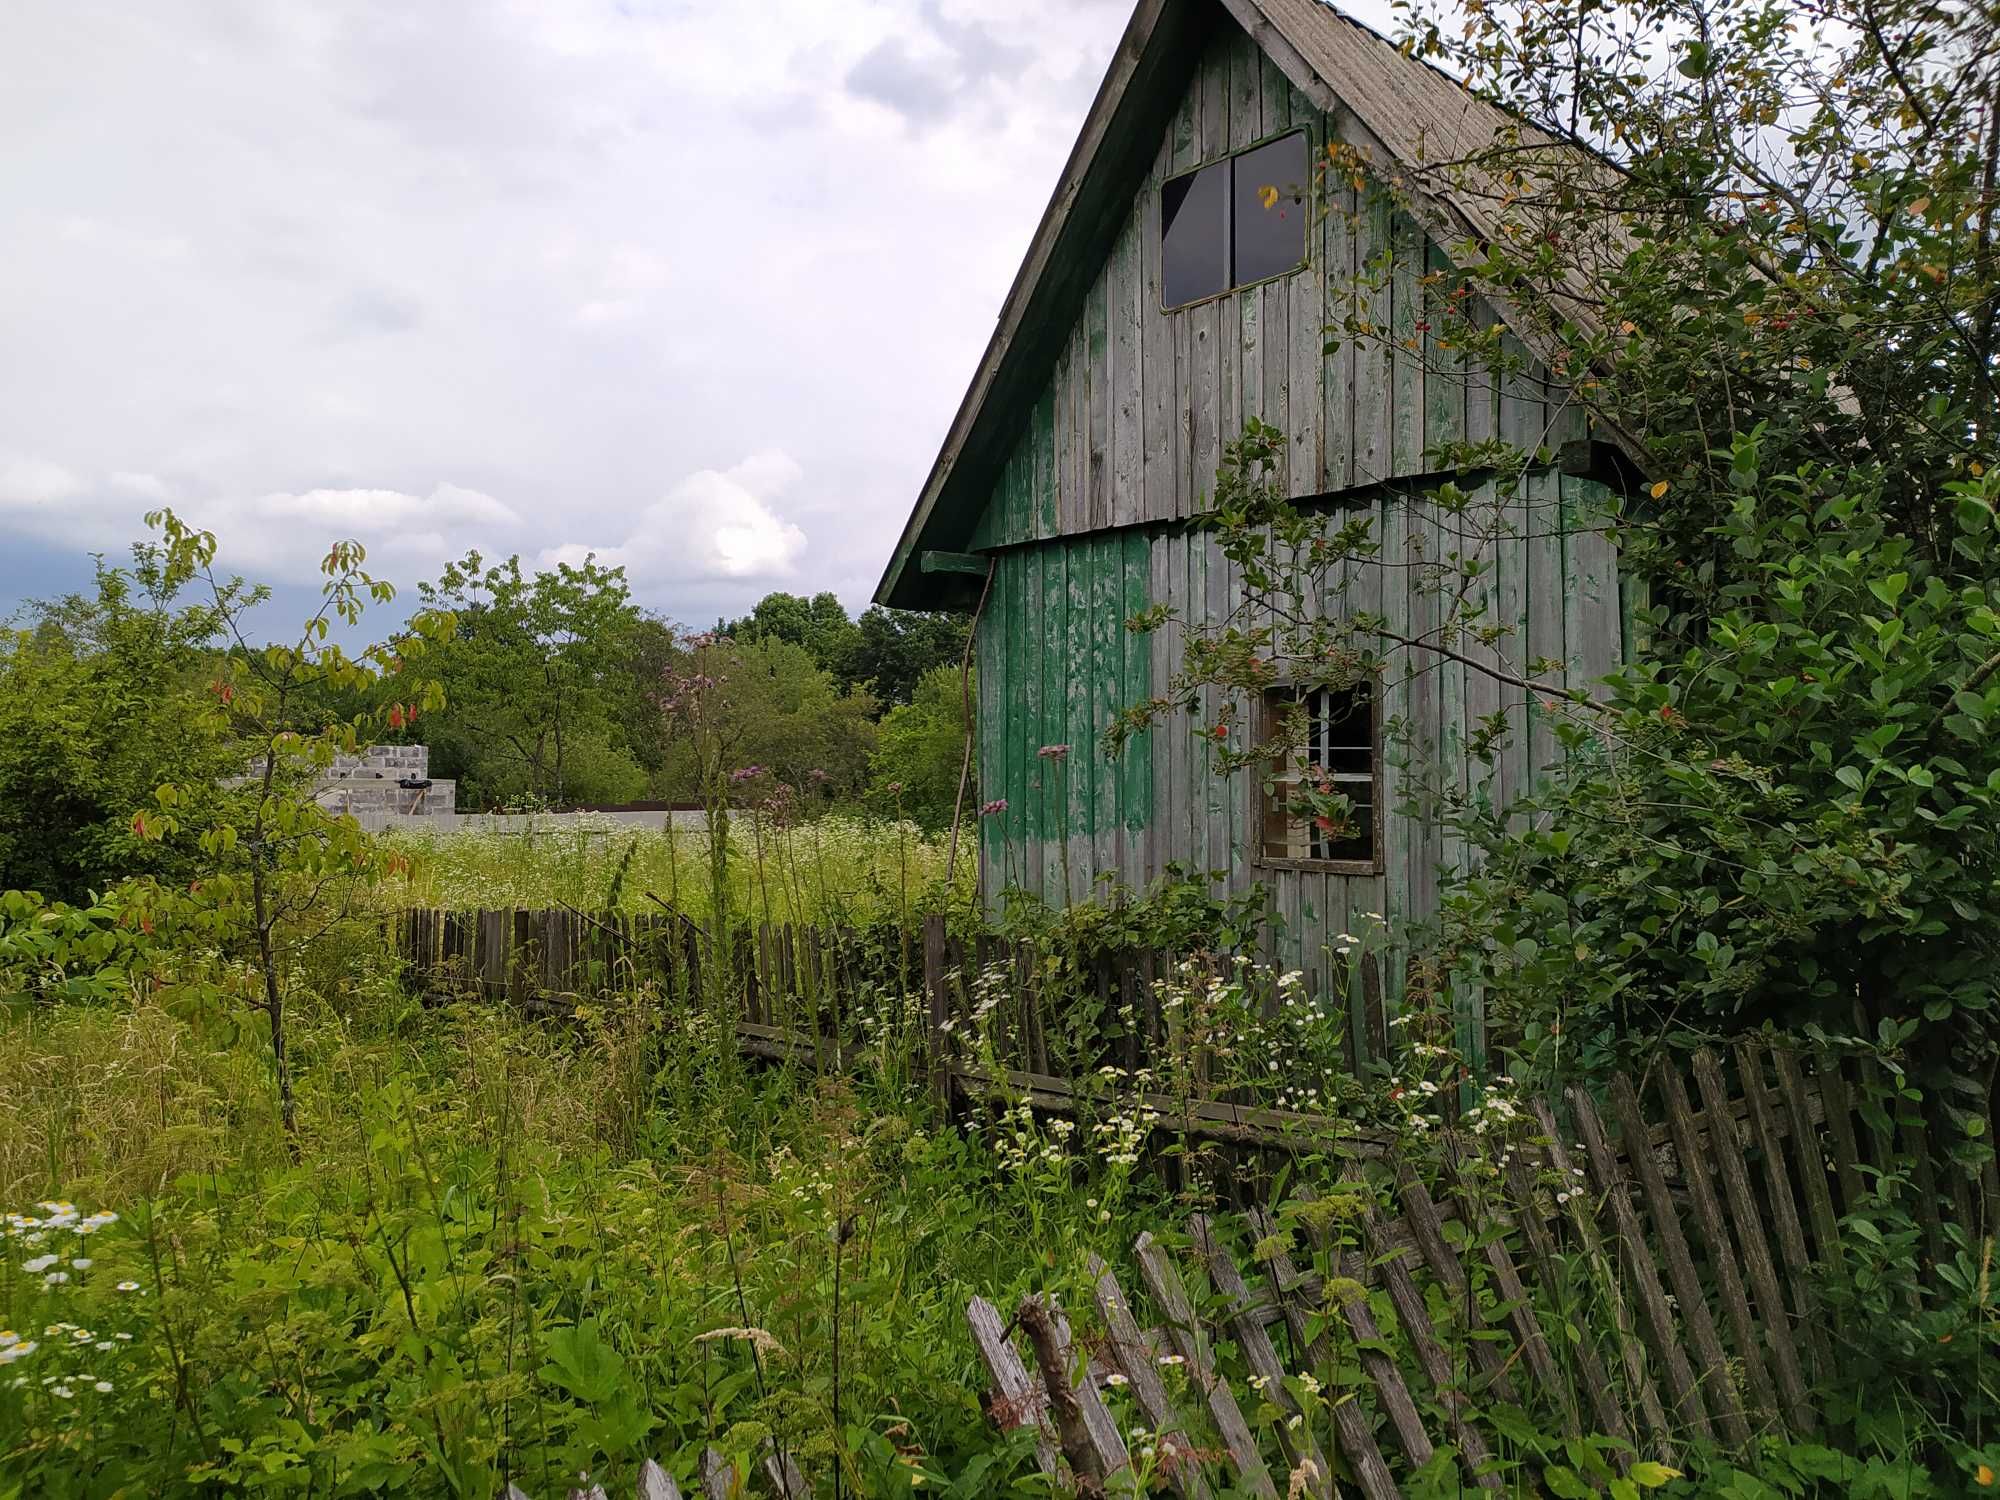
[[282, 868]]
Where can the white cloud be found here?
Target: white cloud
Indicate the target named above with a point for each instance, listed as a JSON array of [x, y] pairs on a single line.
[[714, 524], [141, 486], [283, 264], [33, 484]]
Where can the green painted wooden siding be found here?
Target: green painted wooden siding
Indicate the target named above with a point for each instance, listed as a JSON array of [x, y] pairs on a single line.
[[1056, 663]]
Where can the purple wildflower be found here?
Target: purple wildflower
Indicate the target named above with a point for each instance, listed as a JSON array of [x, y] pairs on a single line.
[[1054, 752], [997, 805], [747, 773]]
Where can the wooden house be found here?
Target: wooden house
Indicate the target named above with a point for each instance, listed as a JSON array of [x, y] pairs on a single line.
[[1155, 312]]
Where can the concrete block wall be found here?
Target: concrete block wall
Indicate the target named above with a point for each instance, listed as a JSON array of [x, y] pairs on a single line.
[[369, 785]]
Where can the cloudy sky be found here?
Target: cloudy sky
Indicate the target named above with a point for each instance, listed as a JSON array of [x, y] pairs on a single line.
[[694, 284]]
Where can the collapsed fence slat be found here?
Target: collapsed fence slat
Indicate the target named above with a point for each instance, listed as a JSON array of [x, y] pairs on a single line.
[[1185, 1333], [1604, 1273], [1018, 1400], [1413, 1314], [1300, 1444], [1784, 1212], [1090, 1439], [1393, 1394], [1609, 1178], [1596, 1382], [1665, 1217], [1138, 1361], [1728, 1158], [1722, 1258]]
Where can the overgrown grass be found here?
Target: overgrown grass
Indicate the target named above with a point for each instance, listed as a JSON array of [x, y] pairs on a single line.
[[835, 868], [497, 1250]]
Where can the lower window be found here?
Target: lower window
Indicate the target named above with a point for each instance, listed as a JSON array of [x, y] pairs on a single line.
[[1321, 797]]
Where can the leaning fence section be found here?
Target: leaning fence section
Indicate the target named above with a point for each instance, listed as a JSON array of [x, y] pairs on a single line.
[[1646, 1268]]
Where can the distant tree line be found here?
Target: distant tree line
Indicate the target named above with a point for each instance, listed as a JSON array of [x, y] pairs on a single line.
[[557, 689]]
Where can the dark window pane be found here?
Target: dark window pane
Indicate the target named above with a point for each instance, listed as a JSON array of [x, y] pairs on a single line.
[[1270, 208], [1194, 262]]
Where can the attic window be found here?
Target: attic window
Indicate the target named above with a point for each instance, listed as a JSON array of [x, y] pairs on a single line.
[[1330, 749], [1234, 221]]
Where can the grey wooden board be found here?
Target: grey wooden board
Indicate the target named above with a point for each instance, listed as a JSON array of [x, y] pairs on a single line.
[[1090, 1439], [1261, 1355], [1184, 1331], [1022, 1401], [1139, 1361], [655, 1483]]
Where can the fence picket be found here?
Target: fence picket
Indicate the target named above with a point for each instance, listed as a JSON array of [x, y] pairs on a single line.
[[1605, 1275], [1597, 1383], [1665, 1217], [1413, 1315], [1808, 1156], [1138, 1361], [1390, 1391], [1611, 1187], [1722, 1257], [1185, 1332], [1728, 1157], [1299, 1443], [1090, 1439], [1426, 1228], [1020, 1401], [1784, 1212], [655, 1483]]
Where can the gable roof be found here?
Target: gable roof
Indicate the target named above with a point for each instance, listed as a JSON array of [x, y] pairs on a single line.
[[1394, 108]]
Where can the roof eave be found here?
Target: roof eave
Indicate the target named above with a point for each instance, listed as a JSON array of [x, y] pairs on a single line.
[[1157, 40]]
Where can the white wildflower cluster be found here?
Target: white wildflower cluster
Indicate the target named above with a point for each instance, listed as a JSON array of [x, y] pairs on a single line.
[[1020, 1144], [1253, 1029], [1120, 1137], [885, 1015], [62, 1223], [72, 1344]]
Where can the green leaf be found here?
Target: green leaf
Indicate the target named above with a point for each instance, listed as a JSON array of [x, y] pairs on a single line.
[[1889, 589], [1650, 1475]]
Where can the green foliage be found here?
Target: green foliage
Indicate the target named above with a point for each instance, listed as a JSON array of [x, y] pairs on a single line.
[[886, 651], [103, 697], [540, 682], [820, 625], [819, 870], [920, 751], [504, 1253], [1788, 820], [274, 861], [896, 647], [763, 705]]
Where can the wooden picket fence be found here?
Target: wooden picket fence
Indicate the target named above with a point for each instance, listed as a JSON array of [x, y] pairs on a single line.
[[715, 1477], [801, 989], [1652, 1278], [1647, 1269]]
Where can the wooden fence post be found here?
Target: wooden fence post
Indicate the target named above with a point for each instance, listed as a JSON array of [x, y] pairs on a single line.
[[937, 1010]]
